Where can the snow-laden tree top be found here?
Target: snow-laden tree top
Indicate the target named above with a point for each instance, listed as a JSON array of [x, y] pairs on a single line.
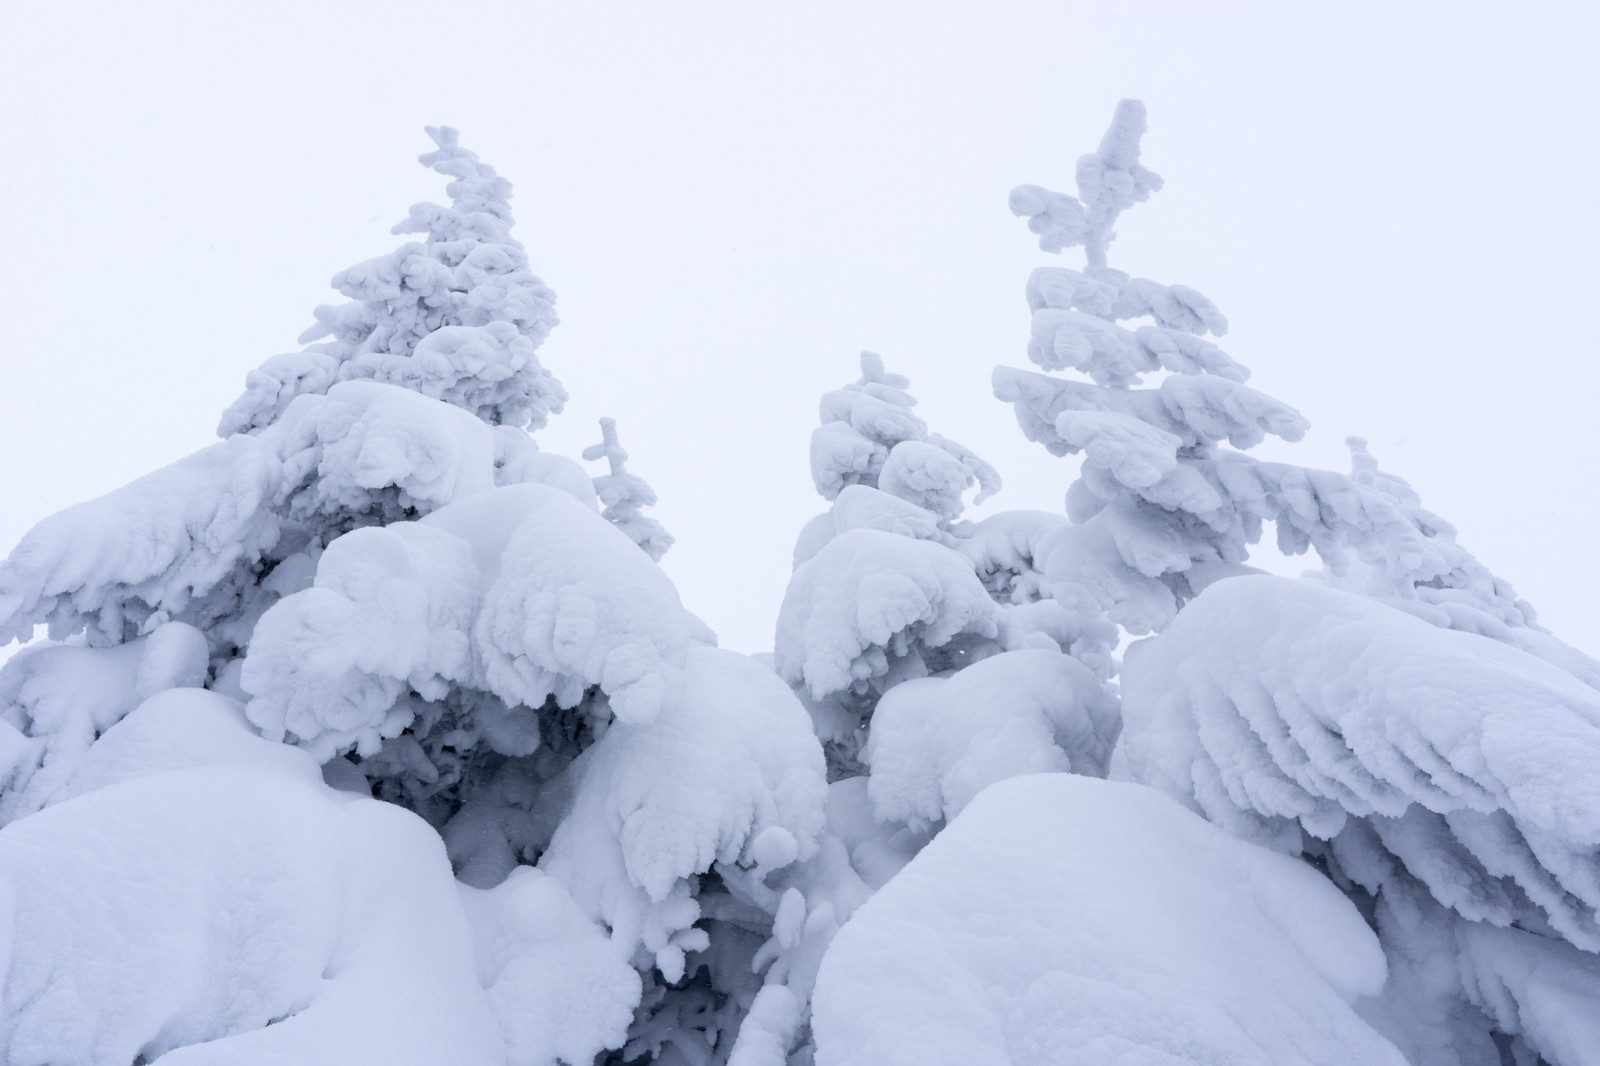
[[1165, 483], [457, 317], [383, 420]]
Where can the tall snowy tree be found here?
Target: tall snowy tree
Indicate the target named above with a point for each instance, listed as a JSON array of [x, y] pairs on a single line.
[[1362, 719], [1397, 722], [389, 591]]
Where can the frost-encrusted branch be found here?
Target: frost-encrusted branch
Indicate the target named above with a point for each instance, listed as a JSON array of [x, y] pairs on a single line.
[[625, 495]]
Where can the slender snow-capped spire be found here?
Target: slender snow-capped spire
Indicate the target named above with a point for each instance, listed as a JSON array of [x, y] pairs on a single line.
[[457, 317], [626, 495], [1110, 181]]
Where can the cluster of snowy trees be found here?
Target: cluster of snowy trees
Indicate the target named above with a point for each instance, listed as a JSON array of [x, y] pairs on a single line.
[[374, 733]]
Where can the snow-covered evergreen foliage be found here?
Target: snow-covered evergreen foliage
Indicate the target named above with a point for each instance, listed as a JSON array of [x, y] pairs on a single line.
[[392, 594], [889, 587], [1360, 718], [1162, 505], [626, 495], [366, 735], [456, 318]]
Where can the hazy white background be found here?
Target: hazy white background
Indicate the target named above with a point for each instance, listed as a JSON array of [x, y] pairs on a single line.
[[1394, 203]]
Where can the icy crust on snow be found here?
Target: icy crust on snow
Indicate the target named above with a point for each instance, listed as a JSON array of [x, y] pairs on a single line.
[[189, 539], [1045, 924], [520, 591], [456, 318], [869, 600], [1273, 706], [200, 895], [728, 776], [865, 424], [937, 742], [55, 699]]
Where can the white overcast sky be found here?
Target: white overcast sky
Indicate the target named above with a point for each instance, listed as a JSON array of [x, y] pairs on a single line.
[[1394, 203]]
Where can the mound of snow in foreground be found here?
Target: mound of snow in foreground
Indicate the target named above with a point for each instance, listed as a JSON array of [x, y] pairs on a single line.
[[199, 895], [1065, 919]]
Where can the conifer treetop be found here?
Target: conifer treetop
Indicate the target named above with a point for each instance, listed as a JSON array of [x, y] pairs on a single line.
[[457, 317]]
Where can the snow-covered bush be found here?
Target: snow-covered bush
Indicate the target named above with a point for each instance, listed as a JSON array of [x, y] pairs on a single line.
[[391, 594]]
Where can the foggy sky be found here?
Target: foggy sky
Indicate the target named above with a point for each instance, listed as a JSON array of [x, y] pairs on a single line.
[[1393, 203]]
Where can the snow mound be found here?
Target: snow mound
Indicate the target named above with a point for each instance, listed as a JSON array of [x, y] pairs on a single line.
[[62, 696], [232, 912], [519, 591], [937, 742], [1046, 925], [1273, 706], [868, 595]]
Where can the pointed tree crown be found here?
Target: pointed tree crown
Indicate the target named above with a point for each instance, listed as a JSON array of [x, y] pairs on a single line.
[[457, 317]]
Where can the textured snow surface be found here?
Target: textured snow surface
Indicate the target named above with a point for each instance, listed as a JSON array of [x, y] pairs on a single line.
[[1065, 919], [1273, 705], [520, 591]]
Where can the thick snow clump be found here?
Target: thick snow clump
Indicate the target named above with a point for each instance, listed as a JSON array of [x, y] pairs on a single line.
[[1064, 919]]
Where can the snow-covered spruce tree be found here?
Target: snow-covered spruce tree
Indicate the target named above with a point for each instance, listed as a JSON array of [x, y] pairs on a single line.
[[930, 669], [1450, 783], [890, 587], [388, 591], [625, 495]]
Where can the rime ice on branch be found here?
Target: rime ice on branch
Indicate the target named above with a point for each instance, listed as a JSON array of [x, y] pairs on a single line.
[[625, 495]]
